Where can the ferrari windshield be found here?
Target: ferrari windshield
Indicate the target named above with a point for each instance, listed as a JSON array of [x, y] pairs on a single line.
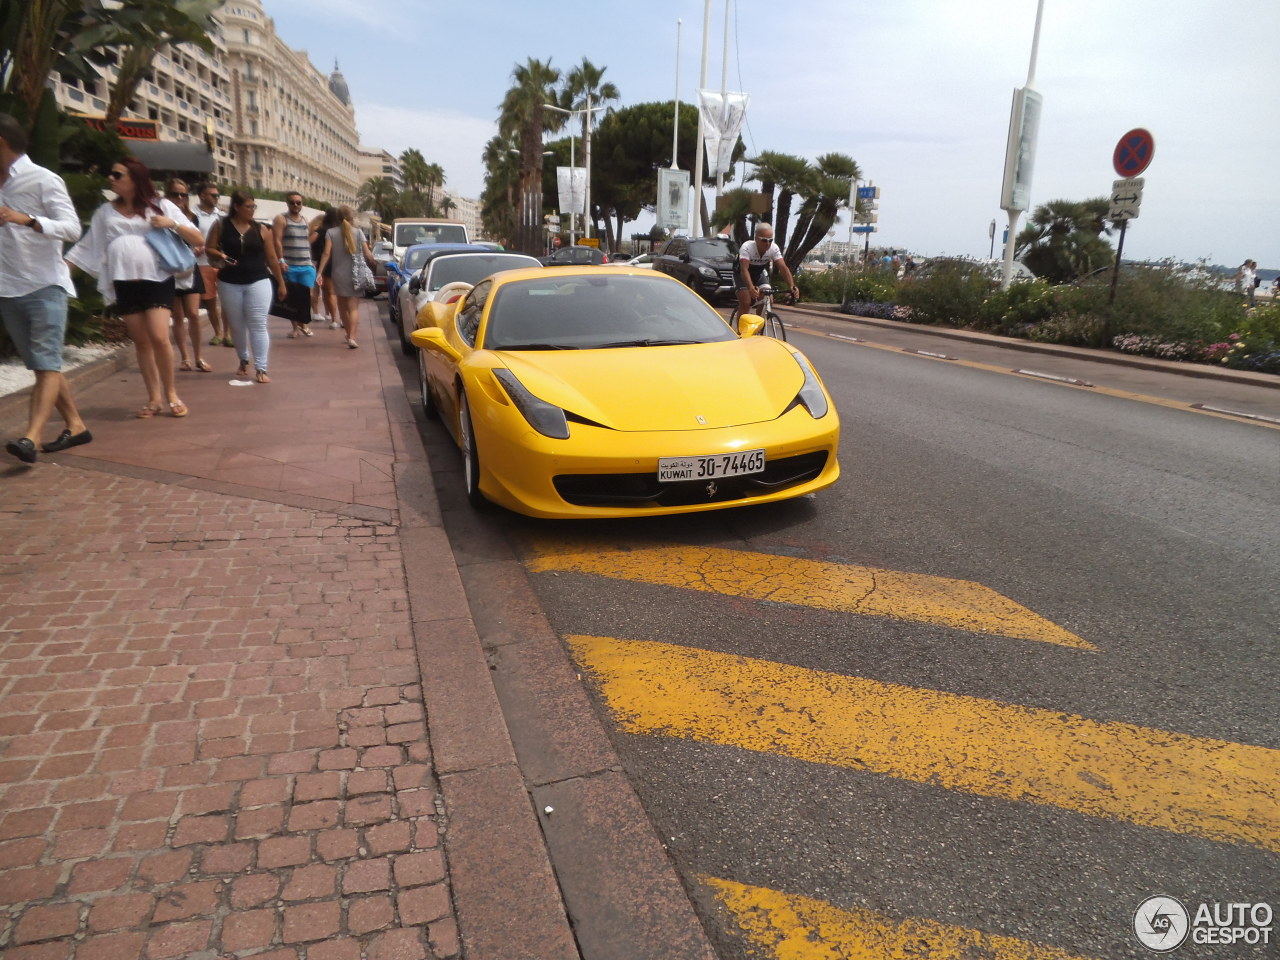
[[599, 311], [473, 267]]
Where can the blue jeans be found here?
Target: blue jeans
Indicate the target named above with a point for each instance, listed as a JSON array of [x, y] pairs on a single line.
[[245, 305], [37, 325]]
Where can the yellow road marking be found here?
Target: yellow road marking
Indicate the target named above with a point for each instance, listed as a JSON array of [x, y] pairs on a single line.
[[811, 583], [1154, 778], [792, 927], [1095, 388]]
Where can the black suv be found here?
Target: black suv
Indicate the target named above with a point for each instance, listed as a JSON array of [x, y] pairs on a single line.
[[705, 265]]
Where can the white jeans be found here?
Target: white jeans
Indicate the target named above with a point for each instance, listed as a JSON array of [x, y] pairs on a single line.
[[245, 306]]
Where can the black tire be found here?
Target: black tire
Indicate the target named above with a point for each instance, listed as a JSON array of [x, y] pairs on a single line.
[[428, 401], [773, 326], [470, 458]]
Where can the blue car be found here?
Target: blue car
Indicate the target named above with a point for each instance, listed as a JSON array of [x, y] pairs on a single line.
[[414, 257]]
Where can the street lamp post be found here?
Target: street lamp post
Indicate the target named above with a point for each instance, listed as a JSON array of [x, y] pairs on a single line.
[[586, 159]]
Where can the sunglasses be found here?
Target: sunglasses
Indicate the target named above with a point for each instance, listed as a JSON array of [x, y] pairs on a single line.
[[116, 175], [180, 196], [295, 203]]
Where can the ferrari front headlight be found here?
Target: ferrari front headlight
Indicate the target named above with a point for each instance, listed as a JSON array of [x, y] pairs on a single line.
[[548, 419], [811, 394]]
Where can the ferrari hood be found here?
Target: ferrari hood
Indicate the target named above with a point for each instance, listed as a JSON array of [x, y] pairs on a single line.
[[688, 387]]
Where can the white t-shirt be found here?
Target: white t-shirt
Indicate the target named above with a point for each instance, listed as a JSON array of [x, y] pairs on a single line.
[[116, 248], [203, 222], [750, 251]]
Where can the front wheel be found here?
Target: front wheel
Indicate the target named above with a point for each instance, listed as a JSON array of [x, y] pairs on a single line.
[[773, 326], [470, 458]]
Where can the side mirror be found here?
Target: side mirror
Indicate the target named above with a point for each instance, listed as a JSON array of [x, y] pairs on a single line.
[[749, 324], [415, 284], [432, 338], [433, 314], [684, 258]]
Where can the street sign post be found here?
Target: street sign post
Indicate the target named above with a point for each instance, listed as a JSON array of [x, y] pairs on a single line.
[[1131, 157], [1134, 152], [1126, 198]]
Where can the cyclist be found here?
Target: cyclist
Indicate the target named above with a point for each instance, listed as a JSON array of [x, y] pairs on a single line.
[[754, 258]]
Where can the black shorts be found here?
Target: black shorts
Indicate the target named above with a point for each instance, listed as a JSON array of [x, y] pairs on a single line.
[[135, 296], [758, 276]]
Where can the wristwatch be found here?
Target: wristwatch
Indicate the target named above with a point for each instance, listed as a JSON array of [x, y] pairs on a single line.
[[33, 223]]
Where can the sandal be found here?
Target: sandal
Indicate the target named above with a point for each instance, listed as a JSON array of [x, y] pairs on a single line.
[[148, 411], [243, 371], [262, 377], [293, 334], [215, 341], [306, 331], [178, 408], [228, 342], [203, 366], [185, 366]]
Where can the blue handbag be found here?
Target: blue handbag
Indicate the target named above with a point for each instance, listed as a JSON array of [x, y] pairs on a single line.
[[172, 252]]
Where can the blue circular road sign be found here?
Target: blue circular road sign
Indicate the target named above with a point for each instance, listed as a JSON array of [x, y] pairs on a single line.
[[1134, 152]]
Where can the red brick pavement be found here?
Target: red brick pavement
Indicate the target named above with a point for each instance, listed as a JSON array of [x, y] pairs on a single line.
[[212, 738]]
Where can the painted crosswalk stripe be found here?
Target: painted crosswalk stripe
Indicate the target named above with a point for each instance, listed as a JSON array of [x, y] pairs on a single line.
[[867, 591], [791, 927], [1154, 778]]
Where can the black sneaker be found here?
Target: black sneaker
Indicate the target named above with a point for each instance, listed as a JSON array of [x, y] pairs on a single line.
[[23, 449]]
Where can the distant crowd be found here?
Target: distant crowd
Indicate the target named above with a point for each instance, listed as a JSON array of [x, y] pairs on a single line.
[[163, 263]]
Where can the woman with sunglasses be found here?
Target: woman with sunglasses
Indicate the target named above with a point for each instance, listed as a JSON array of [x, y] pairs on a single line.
[[246, 252], [190, 287], [116, 252]]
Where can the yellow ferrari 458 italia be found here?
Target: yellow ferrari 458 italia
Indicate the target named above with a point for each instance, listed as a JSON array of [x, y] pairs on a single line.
[[583, 392]]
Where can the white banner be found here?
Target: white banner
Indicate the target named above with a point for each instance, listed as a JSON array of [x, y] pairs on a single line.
[[722, 118], [673, 198], [571, 182], [1020, 150]]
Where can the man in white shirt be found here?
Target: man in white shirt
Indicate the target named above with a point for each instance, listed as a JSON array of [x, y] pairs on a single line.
[[36, 218], [754, 259], [207, 216]]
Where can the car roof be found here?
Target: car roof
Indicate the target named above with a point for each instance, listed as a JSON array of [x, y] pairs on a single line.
[[451, 254]]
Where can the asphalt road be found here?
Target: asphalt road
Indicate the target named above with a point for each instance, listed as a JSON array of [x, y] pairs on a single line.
[[1013, 675]]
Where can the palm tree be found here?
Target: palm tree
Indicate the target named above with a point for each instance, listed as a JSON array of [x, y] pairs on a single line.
[[415, 172], [1063, 239], [524, 117], [733, 209], [834, 175], [498, 199], [447, 205], [584, 89], [150, 25], [378, 195], [790, 173], [435, 178]]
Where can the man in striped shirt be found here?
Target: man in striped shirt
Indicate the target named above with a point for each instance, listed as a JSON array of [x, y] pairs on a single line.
[[293, 247]]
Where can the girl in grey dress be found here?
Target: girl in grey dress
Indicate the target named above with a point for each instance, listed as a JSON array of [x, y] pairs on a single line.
[[342, 244]]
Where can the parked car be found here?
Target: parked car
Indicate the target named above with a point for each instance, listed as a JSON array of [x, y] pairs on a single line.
[[644, 261], [581, 392], [574, 257], [398, 271], [705, 265], [443, 274]]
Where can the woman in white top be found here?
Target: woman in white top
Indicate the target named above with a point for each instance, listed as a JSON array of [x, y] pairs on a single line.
[[116, 252]]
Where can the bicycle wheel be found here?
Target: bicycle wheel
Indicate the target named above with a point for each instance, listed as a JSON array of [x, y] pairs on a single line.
[[733, 319], [773, 326]]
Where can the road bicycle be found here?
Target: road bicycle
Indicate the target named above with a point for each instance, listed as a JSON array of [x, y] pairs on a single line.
[[763, 307]]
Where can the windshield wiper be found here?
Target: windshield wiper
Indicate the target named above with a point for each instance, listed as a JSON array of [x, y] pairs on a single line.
[[643, 343], [534, 346]]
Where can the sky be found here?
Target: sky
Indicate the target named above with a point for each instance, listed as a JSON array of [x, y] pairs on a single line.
[[917, 91]]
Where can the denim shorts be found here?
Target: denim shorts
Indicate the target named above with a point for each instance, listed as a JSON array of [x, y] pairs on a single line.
[[37, 325]]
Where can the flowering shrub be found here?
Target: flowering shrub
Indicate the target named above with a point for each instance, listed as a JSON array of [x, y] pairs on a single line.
[[1150, 346], [1076, 330], [877, 311]]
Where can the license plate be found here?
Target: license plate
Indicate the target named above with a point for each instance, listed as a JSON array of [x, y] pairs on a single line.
[[710, 467]]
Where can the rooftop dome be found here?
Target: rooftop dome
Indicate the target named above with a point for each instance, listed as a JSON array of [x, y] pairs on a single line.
[[338, 85]]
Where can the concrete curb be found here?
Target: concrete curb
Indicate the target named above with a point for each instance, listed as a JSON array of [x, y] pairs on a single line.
[[13, 406], [832, 312], [550, 853]]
